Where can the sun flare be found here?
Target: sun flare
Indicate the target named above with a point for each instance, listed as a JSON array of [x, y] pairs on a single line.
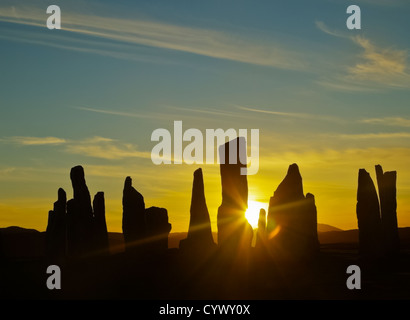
[[252, 213]]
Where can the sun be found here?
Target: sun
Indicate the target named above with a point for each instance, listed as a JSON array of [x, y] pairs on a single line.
[[252, 213]]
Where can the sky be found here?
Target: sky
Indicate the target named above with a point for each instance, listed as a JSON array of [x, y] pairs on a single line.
[[330, 99]]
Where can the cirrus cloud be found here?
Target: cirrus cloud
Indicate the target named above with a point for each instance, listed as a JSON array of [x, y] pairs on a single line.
[[96, 147]]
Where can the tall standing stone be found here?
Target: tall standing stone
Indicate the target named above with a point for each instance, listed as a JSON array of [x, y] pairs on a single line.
[[100, 224], [134, 225], [199, 232], [80, 190], [388, 207], [80, 215], [1, 248], [368, 217], [234, 231], [56, 227], [292, 219], [75, 231], [309, 224]]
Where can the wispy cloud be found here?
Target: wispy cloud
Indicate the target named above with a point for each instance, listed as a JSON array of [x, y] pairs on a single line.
[[388, 121], [298, 115], [34, 141], [381, 65], [323, 27], [388, 135], [377, 67], [96, 147], [91, 46], [211, 112], [116, 113], [205, 42], [341, 83], [104, 148]]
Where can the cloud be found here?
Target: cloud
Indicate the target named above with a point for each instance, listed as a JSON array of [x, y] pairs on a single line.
[[34, 141], [96, 147], [377, 68], [104, 148], [90, 46], [390, 135], [340, 161], [291, 114], [389, 121], [380, 65], [116, 113], [204, 42], [340, 83], [323, 27]]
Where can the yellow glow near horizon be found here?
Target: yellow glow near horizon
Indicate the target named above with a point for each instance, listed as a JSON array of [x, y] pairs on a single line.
[[252, 213]]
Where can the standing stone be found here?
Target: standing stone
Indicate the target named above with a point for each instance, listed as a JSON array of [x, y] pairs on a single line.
[[309, 224], [234, 231], [199, 232], [100, 225], [75, 230], [1, 248], [80, 215], [261, 234], [388, 207], [134, 223], [80, 190], [158, 229], [368, 217], [292, 219], [56, 227]]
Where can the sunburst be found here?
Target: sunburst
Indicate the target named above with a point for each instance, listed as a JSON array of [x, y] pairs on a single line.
[[252, 213]]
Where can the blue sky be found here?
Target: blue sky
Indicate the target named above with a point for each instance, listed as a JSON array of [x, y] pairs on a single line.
[[328, 98]]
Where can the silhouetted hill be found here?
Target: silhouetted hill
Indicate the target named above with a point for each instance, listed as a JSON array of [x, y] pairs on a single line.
[[21, 243], [321, 227], [346, 236], [17, 230]]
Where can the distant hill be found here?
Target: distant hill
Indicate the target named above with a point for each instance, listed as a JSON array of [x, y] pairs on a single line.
[[17, 230], [321, 227], [344, 236], [21, 243]]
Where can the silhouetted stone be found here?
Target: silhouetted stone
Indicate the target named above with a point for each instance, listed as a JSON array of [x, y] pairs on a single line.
[[261, 234], [158, 228], [292, 219], [75, 230], [1, 247], [80, 215], [134, 225], [80, 190], [309, 221], [368, 217], [100, 225], [56, 227], [388, 207], [199, 233], [234, 231]]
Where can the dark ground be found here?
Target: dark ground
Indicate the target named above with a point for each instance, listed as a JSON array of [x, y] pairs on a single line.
[[178, 276]]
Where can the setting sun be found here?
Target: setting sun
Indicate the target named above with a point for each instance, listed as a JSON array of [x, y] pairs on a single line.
[[252, 213]]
